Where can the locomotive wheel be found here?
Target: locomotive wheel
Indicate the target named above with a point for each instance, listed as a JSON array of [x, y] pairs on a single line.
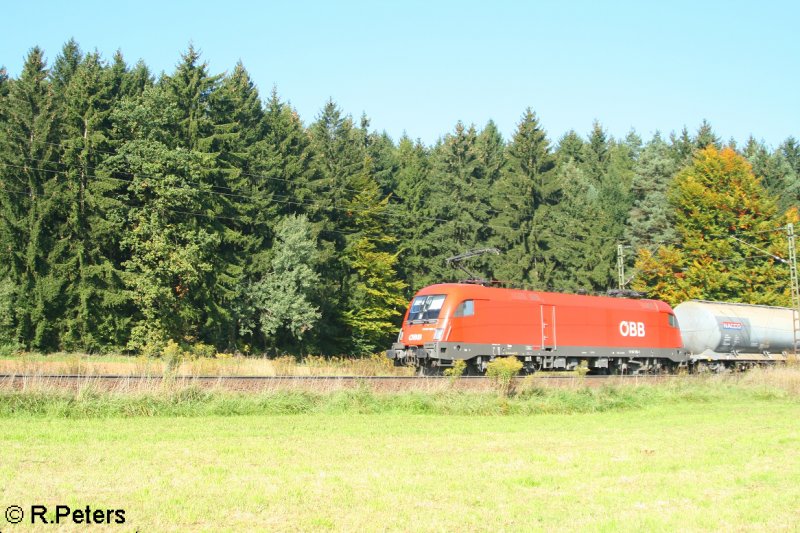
[[472, 369], [425, 371]]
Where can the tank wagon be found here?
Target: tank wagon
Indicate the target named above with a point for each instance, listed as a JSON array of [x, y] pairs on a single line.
[[546, 331], [554, 331], [733, 335]]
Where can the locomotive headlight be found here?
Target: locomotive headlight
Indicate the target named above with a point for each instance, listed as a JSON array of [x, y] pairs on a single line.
[[437, 334]]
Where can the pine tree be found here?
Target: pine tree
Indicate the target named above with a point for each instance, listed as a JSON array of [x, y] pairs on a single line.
[[527, 185], [596, 152], [137, 80], [570, 147], [706, 137], [790, 149], [615, 192], [774, 172], [191, 87], [649, 220], [458, 202], [682, 146], [573, 234], [28, 170], [65, 66], [95, 302], [381, 151], [491, 152], [413, 193], [3, 82], [217, 139], [718, 200]]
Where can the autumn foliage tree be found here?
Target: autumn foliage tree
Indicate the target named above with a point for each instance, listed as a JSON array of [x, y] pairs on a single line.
[[725, 247]]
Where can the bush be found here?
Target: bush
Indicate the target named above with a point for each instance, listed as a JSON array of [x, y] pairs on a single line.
[[203, 350], [11, 348], [501, 372], [456, 371], [173, 356]]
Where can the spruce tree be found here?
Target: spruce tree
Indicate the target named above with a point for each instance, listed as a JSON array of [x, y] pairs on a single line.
[[29, 202], [775, 173], [572, 239], [570, 147], [790, 149], [95, 303], [3, 82], [218, 140], [459, 202], [649, 220], [706, 137], [527, 185], [682, 147], [65, 65], [413, 194], [358, 256]]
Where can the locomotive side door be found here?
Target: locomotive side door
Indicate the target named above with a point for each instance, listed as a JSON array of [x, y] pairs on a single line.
[[548, 317]]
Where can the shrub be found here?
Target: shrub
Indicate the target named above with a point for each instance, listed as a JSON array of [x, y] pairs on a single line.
[[173, 356], [11, 348], [203, 350], [456, 371], [501, 372]]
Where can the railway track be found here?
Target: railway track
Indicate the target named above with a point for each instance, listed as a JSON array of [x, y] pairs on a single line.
[[305, 383]]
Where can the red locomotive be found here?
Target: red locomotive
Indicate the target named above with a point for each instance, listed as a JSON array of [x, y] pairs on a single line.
[[546, 331]]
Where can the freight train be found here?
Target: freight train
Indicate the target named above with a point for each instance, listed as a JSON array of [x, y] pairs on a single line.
[[553, 331]]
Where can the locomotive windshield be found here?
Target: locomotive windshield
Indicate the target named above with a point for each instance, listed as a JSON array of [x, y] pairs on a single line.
[[426, 308]]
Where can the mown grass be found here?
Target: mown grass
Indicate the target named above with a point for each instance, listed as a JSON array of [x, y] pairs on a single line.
[[718, 459]]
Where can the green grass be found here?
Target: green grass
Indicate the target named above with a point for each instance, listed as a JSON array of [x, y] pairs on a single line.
[[715, 466], [192, 401], [707, 455]]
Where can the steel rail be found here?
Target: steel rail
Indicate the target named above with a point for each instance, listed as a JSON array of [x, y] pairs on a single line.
[[323, 378]]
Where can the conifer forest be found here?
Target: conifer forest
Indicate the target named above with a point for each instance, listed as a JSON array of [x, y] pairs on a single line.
[[137, 209]]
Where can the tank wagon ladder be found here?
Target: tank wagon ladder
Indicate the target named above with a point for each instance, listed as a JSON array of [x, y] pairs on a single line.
[[795, 286]]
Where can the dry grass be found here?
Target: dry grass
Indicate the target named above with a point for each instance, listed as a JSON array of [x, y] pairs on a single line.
[[786, 379], [92, 365]]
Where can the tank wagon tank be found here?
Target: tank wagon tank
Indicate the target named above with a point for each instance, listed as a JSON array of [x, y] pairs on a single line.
[[735, 335], [545, 331]]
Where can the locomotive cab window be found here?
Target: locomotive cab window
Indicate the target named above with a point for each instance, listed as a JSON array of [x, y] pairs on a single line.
[[465, 308], [426, 307], [673, 320]]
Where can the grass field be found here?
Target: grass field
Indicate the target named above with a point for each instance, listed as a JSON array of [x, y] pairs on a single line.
[[712, 455]]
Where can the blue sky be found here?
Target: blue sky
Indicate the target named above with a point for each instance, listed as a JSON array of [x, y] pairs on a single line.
[[420, 67]]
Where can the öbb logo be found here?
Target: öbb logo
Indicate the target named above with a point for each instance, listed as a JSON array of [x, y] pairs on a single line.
[[631, 329]]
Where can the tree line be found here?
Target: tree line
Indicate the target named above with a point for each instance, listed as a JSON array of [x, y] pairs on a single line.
[[137, 209]]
